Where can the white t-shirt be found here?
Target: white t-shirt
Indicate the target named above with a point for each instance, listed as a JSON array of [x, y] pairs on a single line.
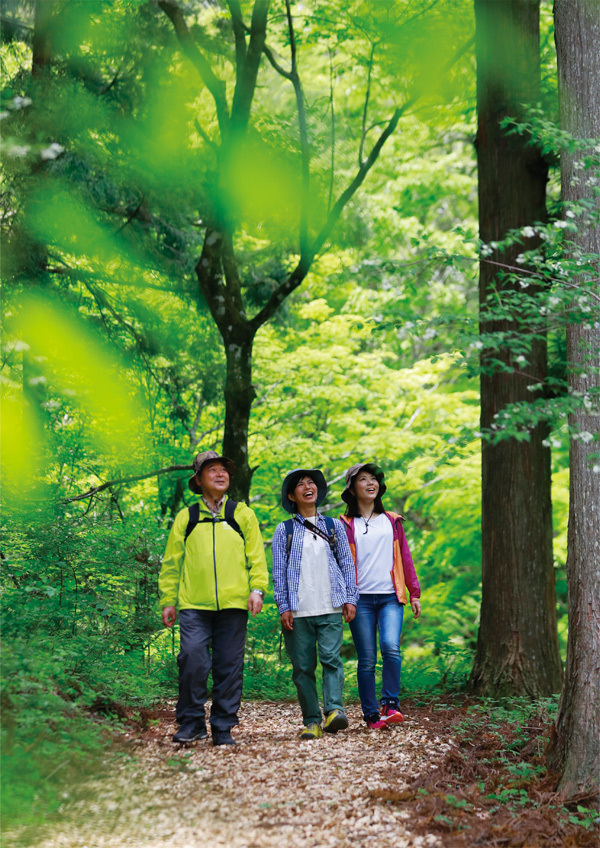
[[314, 589], [375, 555]]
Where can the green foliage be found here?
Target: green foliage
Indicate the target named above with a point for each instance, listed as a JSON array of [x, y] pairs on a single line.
[[78, 619], [48, 743], [515, 733], [112, 364]]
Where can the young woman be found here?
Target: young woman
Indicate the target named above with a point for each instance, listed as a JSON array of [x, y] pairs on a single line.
[[386, 578], [315, 591]]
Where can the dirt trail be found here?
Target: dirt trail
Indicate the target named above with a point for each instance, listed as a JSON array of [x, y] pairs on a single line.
[[270, 790]]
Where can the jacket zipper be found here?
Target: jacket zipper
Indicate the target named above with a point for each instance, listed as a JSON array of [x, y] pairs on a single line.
[[215, 564]]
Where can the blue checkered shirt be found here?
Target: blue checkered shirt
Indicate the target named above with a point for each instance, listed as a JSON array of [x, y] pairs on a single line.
[[286, 573]]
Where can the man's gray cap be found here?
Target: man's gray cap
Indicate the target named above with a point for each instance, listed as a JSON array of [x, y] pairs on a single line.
[[291, 481], [351, 473], [203, 459]]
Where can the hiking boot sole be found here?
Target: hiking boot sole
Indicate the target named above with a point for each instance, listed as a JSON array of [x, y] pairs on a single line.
[[309, 734], [201, 734], [340, 722]]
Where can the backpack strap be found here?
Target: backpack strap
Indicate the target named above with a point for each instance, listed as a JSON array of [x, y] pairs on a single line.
[[330, 524], [289, 531], [230, 508], [194, 518]]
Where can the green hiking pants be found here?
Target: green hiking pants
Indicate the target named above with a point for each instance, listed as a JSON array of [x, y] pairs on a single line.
[[326, 631]]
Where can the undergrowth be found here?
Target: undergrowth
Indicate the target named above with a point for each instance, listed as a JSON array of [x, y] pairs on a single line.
[[493, 787]]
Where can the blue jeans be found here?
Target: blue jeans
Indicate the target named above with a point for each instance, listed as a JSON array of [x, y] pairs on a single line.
[[383, 614]]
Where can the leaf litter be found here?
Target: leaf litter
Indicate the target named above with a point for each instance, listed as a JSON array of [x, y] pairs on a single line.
[[416, 785]]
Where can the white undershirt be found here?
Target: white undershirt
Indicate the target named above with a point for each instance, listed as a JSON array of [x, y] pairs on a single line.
[[374, 554], [314, 589]]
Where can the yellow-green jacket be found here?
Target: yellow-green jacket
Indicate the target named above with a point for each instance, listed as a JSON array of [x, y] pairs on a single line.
[[215, 569]]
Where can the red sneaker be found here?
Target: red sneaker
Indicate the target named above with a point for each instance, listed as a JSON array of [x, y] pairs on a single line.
[[376, 725], [391, 716]]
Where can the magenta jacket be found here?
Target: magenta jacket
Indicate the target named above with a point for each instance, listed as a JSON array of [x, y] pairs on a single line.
[[403, 571]]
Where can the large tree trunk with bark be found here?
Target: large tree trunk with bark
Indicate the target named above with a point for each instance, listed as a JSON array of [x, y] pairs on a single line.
[[575, 749], [517, 647], [239, 395]]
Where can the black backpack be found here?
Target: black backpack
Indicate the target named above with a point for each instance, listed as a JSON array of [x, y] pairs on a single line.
[[194, 513], [289, 529]]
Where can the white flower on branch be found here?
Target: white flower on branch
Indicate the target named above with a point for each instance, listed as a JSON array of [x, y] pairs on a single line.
[[52, 152], [21, 102], [585, 436], [18, 150]]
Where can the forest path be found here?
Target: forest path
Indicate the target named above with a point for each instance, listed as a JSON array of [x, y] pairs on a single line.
[[269, 790]]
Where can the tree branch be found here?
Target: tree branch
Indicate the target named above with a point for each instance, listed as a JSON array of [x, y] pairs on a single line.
[[239, 33], [363, 134], [215, 85], [201, 132], [275, 64], [306, 259], [332, 107], [247, 74], [303, 130], [97, 489]]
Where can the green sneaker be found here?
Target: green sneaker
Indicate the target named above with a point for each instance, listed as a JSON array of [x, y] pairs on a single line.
[[313, 731], [335, 720]]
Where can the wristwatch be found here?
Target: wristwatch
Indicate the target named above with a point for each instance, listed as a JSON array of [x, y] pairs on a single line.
[[258, 592]]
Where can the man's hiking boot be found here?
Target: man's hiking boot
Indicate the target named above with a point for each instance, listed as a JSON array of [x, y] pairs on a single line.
[[391, 716], [334, 721], [313, 731], [222, 737], [374, 722], [191, 730]]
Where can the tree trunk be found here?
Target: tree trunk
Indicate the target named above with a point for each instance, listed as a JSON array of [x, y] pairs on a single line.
[[239, 395], [41, 45], [517, 647], [575, 748]]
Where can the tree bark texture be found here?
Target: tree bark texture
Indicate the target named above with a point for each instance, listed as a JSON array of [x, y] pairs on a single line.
[[575, 749], [239, 395], [41, 43], [517, 647]]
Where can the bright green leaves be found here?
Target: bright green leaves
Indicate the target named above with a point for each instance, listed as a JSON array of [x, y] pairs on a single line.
[[261, 184], [66, 363]]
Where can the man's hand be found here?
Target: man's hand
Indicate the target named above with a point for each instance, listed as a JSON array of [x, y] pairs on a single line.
[[255, 603], [416, 607], [287, 620], [169, 616], [349, 611]]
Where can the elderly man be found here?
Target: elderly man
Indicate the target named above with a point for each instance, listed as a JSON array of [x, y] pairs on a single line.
[[214, 571]]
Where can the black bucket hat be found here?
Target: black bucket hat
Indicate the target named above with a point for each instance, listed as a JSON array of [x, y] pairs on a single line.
[[203, 459], [351, 473], [291, 481]]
